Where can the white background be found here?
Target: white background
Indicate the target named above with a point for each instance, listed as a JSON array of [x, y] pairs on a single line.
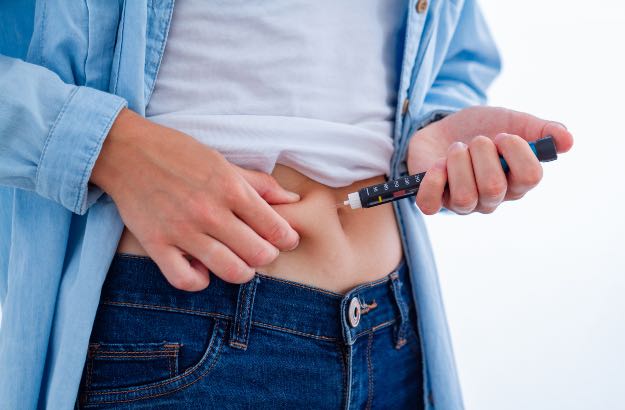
[[535, 292]]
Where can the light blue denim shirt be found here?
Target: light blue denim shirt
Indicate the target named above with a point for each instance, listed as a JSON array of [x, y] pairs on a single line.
[[66, 69]]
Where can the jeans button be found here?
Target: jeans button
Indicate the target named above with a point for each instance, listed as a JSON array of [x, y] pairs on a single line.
[[354, 312]]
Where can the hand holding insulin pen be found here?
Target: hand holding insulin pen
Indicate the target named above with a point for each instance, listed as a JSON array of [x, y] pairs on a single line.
[[374, 195]]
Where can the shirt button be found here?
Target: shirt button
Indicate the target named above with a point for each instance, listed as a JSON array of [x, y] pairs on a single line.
[[422, 6], [354, 312], [404, 108]]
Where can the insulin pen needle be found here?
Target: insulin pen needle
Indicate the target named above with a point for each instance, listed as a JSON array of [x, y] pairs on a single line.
[[405, 186]]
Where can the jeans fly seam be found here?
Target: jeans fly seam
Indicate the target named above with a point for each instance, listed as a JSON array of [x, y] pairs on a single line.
[[370, 371]]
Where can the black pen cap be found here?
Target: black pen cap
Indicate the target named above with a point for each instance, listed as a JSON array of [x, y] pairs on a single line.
[[546, 149]]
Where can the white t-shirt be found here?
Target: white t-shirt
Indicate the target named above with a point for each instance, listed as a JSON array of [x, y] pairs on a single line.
[[308, 84]]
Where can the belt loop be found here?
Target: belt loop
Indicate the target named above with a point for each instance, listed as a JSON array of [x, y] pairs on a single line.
[[240, 330], [401, 328]]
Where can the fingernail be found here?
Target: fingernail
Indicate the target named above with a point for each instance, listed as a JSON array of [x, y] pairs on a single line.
[[293, 196], [458, 145], [560, 125], [500, 136], [296, 244]]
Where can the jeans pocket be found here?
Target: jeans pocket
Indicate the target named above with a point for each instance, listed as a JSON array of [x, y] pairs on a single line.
[[117, 365], [125, 364]]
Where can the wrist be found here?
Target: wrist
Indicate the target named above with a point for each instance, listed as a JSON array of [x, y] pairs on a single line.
[[116, 150]]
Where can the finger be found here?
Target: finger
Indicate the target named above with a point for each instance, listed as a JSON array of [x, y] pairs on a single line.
[[462, 189], [531, 128], [268, 188], [178, 271], [264, 220], [244, 241], [561, 136], [525, 169], [199, 266], [218, 258], [489, 176], [430, 195]]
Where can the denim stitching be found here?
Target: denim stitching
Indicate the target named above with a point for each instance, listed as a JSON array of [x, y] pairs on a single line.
[[89, 20], [300, 285], [238, 315], [133, 356], [167, 308], [53, 128], [348, 379], [133, 256], [239, 339], [167, 392], [296, 332], [249, 308], [190, 372], [400, 336], [217, 315], [121, 46], [238, 344], [255, 323], [375, 328], [370, 370], [92, 156], [155, 353], [157, 65], [89, 374], [343, 370]]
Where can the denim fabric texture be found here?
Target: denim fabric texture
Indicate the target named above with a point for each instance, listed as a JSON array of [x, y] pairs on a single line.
[[66, 69], [268, 343]]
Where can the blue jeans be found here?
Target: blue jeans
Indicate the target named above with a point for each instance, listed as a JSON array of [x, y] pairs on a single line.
[[268, 343]]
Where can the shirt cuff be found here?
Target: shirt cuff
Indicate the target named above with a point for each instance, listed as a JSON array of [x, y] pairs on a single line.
[[73, 145]]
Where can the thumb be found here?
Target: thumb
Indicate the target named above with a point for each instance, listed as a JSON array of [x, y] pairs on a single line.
[[267, 187], [561, 136], [531, 128]]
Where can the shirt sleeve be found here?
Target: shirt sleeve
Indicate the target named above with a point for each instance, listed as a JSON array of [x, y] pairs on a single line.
[[471, 63], [51, 133]]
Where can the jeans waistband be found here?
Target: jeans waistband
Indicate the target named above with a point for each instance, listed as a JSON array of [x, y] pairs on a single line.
[[136, 281]]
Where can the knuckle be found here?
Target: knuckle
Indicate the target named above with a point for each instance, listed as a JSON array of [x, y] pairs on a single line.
[[428, 209], [464, 201], [515, 196], [276, 233], [493, 189], [234, 273], [427, 205], [210, 217], [532, 177], [487, 210], [179, 231], [480, 141], [268, 180], [197, 202], [235, 193], [266, 183]]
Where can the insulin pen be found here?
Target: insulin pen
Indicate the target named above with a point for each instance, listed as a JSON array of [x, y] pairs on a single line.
[[374, 195]]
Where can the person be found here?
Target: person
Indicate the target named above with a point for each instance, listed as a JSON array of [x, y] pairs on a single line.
[[174, 241]]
